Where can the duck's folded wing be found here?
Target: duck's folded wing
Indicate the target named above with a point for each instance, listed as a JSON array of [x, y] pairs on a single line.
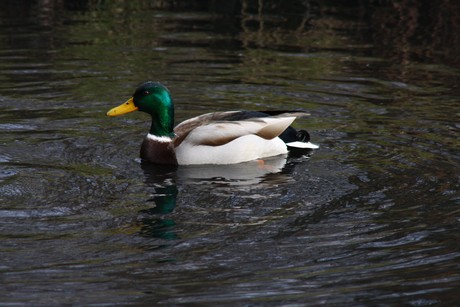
[[209, 118], [221, 132]]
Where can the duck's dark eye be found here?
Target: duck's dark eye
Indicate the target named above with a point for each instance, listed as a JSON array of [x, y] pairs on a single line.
[[145, 93]]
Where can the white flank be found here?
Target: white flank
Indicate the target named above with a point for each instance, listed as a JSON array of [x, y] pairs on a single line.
[[242, 149], [298, 144], [161, 139]]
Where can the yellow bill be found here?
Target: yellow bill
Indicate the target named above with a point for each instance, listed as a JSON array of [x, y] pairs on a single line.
[[124, 108]]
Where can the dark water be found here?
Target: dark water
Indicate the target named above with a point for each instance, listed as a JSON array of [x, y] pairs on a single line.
[[371, 218]]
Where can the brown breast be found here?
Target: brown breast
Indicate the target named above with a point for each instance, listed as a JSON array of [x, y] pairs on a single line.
[[158, 152]]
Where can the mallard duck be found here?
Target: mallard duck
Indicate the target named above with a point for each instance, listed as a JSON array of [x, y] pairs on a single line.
[[213, 138]]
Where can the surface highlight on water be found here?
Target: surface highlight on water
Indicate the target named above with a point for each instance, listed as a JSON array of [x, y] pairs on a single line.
[[371, 218]]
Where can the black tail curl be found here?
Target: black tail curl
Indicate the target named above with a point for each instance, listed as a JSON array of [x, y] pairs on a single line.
[[303, 136]]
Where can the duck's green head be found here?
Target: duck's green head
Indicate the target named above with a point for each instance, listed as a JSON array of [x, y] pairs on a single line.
[[154, 99]]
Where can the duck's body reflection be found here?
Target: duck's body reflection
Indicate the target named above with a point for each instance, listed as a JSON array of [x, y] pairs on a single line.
[[156, 221], [242, 174]]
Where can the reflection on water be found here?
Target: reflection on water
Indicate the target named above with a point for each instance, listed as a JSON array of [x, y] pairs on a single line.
[[371, 218], [163, 202], [222, 179], [249, 173]]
